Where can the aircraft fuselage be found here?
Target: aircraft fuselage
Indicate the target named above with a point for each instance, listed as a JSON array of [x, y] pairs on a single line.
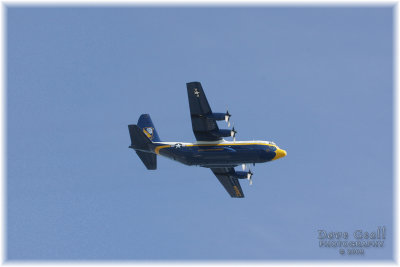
[[219, 154]]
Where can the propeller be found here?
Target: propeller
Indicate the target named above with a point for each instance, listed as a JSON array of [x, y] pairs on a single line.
[[228, 117], [233, 133], [249, 175], [245, 166]]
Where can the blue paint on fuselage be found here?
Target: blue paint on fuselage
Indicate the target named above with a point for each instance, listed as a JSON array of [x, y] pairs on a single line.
[[219, 156]]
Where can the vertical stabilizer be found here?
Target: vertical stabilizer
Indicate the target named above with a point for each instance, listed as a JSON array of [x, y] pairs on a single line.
[[147, 127]]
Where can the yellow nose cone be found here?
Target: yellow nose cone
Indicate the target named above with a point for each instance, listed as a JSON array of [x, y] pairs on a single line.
[[280, 153]]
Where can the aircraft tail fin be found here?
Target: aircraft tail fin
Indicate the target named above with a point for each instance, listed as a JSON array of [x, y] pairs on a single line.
[[140, 142], [147, 126]]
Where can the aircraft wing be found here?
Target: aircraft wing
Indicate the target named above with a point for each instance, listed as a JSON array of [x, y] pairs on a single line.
[[230, 183], [200, 112]]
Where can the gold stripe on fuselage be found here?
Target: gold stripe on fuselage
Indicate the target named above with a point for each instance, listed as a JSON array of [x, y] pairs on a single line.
[[211, 149], [230, 144], [157, 149]]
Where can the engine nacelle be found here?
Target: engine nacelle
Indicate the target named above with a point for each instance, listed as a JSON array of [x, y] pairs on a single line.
[[218, 116], [224, 133], [240, 175]]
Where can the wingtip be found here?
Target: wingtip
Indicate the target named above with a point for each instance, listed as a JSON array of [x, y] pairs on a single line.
[[190, 83]]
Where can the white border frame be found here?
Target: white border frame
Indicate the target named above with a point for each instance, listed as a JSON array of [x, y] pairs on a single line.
[[297, 3]]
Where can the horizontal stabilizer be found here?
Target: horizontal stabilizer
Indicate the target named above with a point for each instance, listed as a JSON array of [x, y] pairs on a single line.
[[138, 138], [140, 143], [148, 159]]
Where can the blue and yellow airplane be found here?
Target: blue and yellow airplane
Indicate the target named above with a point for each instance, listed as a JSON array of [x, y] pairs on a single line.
[[210, 150]]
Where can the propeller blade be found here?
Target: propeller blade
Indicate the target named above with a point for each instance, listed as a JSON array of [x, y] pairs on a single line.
[[233, 132], [227, 117], [249, 176]]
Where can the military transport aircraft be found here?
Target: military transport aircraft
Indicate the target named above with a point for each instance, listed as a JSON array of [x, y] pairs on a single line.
[[210, 150]]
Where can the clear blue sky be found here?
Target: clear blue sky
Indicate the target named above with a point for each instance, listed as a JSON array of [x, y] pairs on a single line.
[[317, 81]]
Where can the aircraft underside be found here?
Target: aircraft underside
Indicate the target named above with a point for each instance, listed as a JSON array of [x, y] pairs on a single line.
[[219, 157]]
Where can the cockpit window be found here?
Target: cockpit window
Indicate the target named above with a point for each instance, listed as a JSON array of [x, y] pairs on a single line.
[[271, 148], [271, 143]]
